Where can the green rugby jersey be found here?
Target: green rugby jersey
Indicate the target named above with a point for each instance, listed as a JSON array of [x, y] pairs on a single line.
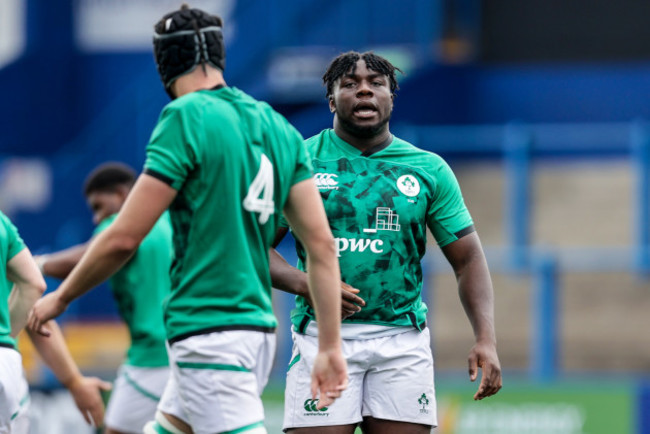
[[233, 161], [139, 288], [10, 245], [379, 207]]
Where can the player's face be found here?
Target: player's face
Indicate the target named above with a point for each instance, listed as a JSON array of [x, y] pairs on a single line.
[[362, 101], [104, 204]]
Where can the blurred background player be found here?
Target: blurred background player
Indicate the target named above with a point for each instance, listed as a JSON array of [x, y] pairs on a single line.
[[384, 194], [227, 165], [19, 268], [139, 288]]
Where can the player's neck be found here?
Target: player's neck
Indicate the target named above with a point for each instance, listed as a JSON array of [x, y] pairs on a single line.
[[198, 80], [362, 143]]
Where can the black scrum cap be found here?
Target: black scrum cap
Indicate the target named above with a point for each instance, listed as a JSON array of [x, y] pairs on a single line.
[[184, 39]]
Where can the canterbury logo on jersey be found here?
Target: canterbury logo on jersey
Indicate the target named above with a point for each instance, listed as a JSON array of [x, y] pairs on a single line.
[[326, 181], [358, 245]]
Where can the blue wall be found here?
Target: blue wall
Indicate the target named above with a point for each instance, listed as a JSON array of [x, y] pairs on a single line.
[[77, 109]]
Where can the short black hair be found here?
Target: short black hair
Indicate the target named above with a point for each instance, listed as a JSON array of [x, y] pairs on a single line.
[[347, 62], [108, 177]]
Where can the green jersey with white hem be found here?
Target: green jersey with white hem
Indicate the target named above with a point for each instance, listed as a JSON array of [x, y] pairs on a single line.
[[10, 245], [232, 160], [379, 206], [139, 288]]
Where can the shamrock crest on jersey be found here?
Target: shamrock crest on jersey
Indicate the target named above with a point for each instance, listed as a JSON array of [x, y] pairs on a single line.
[[408, 185]]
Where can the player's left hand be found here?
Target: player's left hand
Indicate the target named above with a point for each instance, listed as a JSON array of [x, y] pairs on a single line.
[[45, 309], [484, 356], [87, 396]]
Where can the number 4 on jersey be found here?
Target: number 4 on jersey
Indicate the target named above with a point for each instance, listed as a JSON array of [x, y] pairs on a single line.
[[260, 193]]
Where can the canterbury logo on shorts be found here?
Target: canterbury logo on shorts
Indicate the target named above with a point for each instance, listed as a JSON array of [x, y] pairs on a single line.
[[310, 406]]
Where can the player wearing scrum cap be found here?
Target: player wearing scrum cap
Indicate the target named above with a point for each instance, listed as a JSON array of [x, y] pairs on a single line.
[[226, 166]]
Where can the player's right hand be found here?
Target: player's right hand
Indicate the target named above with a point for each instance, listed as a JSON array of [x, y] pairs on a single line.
[[45, 309], [86, 392], [329, 377]]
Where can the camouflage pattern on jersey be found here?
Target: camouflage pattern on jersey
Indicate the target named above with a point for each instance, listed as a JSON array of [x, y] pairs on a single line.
[[379, 207]]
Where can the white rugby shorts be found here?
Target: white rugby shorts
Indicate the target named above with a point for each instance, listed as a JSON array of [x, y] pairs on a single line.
[[390, 377], [135, 397], [217, 380], [14, 393]]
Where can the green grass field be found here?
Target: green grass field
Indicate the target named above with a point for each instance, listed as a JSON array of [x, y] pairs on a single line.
[[273, 398]]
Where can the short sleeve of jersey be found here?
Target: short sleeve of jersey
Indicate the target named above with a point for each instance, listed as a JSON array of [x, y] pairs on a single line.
[[304, 169], [15, 243], [170, 153], [447, 216]]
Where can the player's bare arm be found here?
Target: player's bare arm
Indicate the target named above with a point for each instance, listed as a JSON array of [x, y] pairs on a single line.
[[28, 287], [477, 296], [111, 249], [84, 390], [289, 279], [306, 215], [60, 264]]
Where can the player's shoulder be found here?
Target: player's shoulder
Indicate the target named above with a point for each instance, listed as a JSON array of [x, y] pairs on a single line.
[[3, 218], [6, 224], [406, 153], [320, 145], [10, 240], [196, 102], [185, 109], [259, 109], [317, 139]]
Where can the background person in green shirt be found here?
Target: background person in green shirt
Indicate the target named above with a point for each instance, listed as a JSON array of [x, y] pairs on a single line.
[[380, 194], [21, 284], [139, 289], [227, 166]]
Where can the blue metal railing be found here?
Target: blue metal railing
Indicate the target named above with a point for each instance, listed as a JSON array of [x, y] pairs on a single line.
[[518, 145], [544, 326], [641, 156]]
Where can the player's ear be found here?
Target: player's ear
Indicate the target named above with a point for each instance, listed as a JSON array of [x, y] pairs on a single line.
[[331, 104]]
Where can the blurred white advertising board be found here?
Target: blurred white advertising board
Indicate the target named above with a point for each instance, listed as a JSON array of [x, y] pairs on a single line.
[[127, 25], [12, 30]]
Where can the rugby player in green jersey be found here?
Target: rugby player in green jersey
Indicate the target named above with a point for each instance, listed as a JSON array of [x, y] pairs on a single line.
[[139, 289], [380, 194], [21, 284], [227, 166]]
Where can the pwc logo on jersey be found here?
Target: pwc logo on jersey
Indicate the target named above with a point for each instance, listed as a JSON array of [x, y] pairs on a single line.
[[358, 245], [385, 220], [326, 181]]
